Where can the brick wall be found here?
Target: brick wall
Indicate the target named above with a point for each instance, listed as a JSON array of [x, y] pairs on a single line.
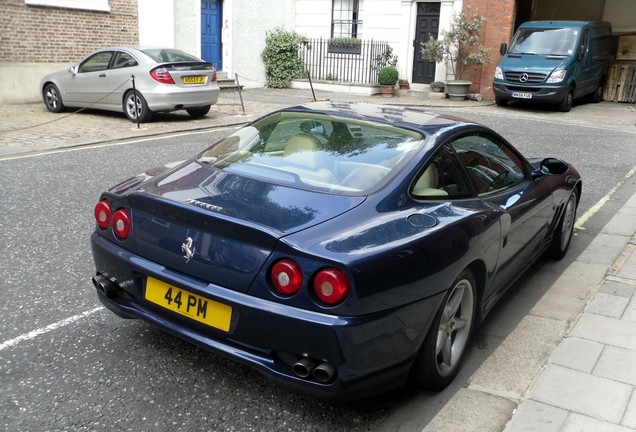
[[34, 34], [499, 16]]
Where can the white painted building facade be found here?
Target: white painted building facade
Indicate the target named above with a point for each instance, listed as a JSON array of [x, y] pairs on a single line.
[[245, 23]]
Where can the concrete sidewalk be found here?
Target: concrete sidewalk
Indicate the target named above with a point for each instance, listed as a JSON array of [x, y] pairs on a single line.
[[570, 364]]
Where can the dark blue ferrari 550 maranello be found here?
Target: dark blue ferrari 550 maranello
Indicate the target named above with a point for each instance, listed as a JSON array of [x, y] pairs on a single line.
[[337, 248]]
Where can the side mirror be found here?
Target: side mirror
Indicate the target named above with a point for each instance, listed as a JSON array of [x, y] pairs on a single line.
[[73, 69], [503, 48], [580, 52], [550, 166]]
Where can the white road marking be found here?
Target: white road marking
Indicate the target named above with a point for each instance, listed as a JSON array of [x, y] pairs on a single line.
[[596, 207], [56, 325]]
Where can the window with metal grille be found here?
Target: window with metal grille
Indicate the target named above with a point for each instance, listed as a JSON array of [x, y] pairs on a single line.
[[346, 21]]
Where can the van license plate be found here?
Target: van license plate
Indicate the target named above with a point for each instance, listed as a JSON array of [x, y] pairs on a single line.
[[521, 95]]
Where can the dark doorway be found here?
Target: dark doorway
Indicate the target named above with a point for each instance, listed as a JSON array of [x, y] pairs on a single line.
[[211, 32], [427, 25]]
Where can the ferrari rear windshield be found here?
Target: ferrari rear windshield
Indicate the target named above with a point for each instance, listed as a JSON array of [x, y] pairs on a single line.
[[316, 151]]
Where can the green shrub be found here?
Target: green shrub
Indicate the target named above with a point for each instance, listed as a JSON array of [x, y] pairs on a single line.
[[282, 59], [388, 76], [386, 58]]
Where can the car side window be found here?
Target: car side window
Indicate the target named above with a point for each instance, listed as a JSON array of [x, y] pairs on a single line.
[[490, 164], [123, 59], [96, 62], [441, 178]]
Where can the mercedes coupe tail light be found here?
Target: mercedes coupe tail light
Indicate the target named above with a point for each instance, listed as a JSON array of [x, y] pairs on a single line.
[[162, 75], [286, 277]]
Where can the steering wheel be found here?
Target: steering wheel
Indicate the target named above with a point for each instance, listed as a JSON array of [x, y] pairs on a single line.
[[500, 178]]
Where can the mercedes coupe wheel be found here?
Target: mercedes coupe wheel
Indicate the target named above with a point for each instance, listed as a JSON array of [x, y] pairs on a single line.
[[52, 98], [136, 108], [198, 112]]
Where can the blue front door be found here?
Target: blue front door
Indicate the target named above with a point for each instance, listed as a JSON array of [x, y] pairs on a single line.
[[211, 32]]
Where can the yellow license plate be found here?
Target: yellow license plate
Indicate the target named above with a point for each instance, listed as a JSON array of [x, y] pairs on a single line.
[[197, 79], [193, 306]]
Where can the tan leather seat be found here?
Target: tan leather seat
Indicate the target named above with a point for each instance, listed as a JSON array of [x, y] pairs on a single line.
[[302, 152], [427, 184]]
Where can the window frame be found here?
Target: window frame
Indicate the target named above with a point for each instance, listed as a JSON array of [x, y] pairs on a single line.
[[92, 56], [354, 23], [498, 141]]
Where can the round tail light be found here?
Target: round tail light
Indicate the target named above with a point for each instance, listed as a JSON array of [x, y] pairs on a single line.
[[286, 277], [102, 214], [331, 286], [121, 223]]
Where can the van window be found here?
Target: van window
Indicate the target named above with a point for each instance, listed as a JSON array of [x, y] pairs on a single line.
[[554, 41]]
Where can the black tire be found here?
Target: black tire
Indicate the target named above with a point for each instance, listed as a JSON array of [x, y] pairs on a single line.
[[198, 112], [501, 102], [597, 95], [141, 110], [447, 341], [567, 102], [52, 98], [565, 229]]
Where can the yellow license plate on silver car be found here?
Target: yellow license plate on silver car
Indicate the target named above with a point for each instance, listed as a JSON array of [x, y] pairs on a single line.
[[196, 79], [193, 306]]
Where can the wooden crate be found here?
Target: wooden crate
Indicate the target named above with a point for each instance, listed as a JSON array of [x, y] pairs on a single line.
[[621, 84]]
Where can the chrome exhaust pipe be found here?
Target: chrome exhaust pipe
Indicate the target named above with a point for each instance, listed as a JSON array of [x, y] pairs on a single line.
[[104, 286], [304, 367], [324, 372]]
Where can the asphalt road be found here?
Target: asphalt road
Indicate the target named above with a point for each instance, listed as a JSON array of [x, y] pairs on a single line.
[[95, 371]]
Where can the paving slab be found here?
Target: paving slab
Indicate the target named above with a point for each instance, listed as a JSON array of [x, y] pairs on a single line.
[[538, 417], [578, 354], [582, 393], [606, 330], [471, 411]]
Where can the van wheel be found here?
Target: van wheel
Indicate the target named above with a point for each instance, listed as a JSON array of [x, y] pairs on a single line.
[[567, 102], [597, 96], [501, 102]]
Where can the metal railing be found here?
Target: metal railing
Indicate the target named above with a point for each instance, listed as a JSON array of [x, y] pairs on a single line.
[[354, 64]]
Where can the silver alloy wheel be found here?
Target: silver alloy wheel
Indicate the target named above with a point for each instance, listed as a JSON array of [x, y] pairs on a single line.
[[52, 98], [568, 222], [132, 110], [454, 327]]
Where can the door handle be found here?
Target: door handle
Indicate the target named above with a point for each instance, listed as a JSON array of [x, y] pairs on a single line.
[[102, 75]]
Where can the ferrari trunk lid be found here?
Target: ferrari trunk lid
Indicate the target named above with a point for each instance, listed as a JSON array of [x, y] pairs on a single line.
[[221, 227]]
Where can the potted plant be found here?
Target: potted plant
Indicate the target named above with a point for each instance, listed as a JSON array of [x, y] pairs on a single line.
[[404, 84], [344, 45], [437, 86], [459, 48], [387, 78]]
